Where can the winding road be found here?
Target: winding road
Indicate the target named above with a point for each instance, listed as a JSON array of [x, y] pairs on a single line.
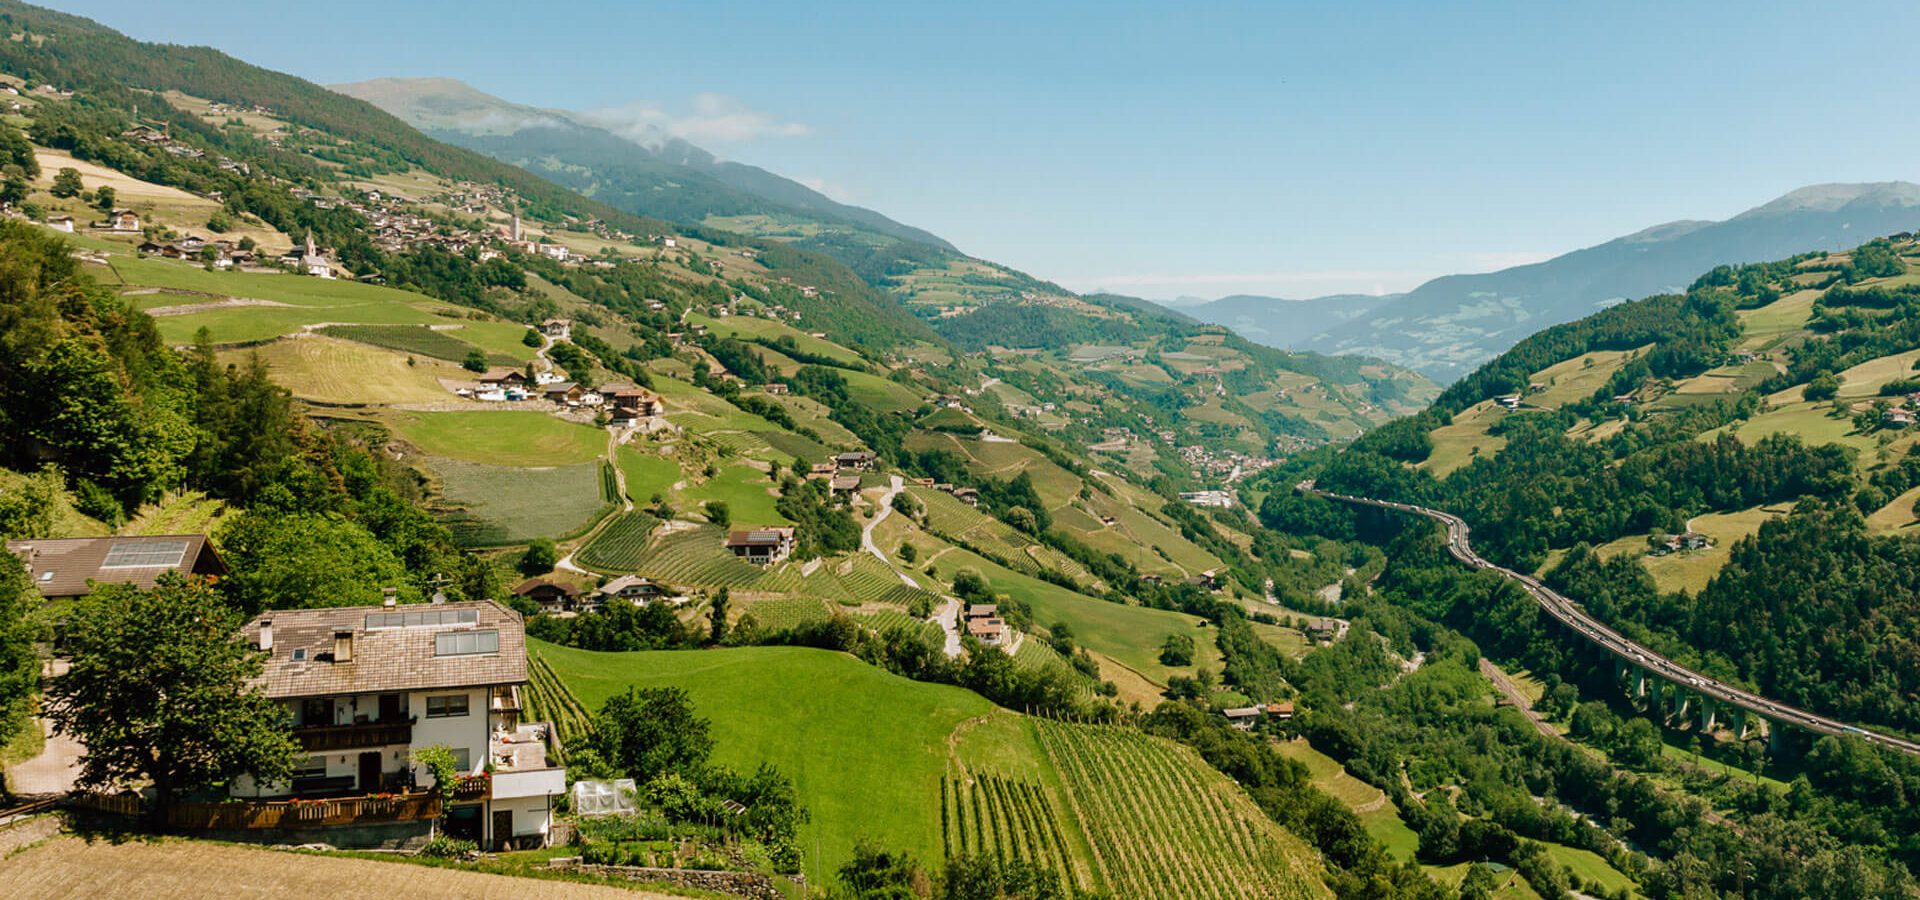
[[948, 615], [1573, 616]]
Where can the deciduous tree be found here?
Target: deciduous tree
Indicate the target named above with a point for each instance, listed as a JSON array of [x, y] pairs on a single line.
[[161, 690]]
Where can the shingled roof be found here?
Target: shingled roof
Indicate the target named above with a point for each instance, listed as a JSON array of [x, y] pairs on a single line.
[[62, 567], [393, 648]]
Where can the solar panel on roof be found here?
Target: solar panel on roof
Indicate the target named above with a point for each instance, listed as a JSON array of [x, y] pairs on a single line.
[[145, 554]]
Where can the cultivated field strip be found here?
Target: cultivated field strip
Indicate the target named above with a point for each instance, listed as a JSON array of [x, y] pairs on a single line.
[[863, 578], [1162, 825], [887, 620], [1037, 654], [549, 700], [983, 814], [690, 557], [416, 339], [783, 613], [622, 544]]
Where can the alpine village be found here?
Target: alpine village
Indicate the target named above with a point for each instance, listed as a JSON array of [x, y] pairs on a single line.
[[460, 515]]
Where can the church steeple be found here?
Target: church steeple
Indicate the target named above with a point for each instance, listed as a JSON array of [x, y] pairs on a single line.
[[311, 253]]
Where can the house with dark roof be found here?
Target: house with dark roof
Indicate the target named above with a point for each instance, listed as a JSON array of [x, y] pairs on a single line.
[[860, 460], [503, 378], [553, 596], [762, 546], [365, 686], [70, 567]]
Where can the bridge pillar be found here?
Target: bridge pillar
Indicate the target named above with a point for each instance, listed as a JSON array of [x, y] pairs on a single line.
[[1776, 739], [1706, 715], [1640, 684], [1681, 701]]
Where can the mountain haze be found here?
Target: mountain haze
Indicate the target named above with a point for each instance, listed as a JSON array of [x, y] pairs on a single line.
[[1281, 322], [1447, 326], [674, 178]]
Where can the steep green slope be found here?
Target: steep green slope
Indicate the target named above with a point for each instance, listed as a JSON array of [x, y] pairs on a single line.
[[1767, 408], [663, 174]]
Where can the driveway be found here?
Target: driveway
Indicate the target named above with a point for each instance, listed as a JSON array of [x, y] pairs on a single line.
[[53, 771]]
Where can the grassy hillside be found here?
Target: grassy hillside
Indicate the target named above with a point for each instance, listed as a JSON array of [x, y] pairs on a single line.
[[875, 755], [866, 749]]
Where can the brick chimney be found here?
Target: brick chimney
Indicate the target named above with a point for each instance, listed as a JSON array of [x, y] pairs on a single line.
[[266, 635], [343, 646]]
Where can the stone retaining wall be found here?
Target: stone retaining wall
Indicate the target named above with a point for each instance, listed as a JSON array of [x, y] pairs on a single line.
[[750, 885]]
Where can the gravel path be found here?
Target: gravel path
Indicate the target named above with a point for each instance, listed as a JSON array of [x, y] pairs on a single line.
[[53, 771]]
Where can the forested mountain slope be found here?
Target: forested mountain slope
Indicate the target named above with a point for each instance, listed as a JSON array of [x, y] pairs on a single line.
[[668, 176], [1727, 475], [1447, 327]]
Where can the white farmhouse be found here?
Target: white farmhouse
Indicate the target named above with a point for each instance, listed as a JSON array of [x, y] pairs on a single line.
[[366, 686]]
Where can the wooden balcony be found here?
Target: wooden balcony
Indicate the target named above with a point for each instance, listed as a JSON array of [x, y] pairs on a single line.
[[241, 816], [326, 738]]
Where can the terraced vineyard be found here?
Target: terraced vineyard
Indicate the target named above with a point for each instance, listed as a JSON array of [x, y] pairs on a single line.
[[743, 443], [1163, 824], [865, 579], [622, 544], [549, 700], [693, 557], [1037, 654], [945, 514], [887, 620], [416, 339], [787, 612], [990, 815]]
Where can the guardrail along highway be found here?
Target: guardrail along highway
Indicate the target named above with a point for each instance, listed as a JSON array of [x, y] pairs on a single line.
[[1632, 654]]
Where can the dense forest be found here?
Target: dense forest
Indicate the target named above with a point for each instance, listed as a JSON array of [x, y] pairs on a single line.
[[1812, 608]]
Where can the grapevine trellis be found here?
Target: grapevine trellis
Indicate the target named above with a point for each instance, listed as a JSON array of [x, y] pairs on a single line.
[[1006, 818], [549, 700], [1159, 827]]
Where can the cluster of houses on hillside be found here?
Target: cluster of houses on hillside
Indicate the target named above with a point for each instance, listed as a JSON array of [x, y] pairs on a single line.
[[1233, 465], [1214, 499], [625, 404], [363, 687], [147, 134], [561, 598], [193, 247]]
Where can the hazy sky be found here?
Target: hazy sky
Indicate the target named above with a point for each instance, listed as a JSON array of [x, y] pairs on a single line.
[[1167, 149]]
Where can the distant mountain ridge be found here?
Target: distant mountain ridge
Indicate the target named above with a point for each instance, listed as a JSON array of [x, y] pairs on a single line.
[[1449, 325], [1284, 323], [677, 180]]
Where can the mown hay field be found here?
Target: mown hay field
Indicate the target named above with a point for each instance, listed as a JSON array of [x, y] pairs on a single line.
[[487, 506], [183, 869]]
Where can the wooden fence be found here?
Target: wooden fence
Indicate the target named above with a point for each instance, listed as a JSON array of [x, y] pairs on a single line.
[[247, 815]]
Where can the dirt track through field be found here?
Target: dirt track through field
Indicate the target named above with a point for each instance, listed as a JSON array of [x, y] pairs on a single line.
[[162, 870]]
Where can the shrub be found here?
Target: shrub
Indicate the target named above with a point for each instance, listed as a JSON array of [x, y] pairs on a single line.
[[442, 846]]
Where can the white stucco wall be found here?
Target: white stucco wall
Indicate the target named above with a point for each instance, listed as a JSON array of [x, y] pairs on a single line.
[[469, 731]]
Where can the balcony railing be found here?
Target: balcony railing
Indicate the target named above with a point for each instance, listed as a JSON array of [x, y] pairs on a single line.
[[473, 787], [326, 738], [252, 815]]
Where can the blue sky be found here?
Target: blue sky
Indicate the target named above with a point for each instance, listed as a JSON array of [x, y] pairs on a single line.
[[1172, 149]]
